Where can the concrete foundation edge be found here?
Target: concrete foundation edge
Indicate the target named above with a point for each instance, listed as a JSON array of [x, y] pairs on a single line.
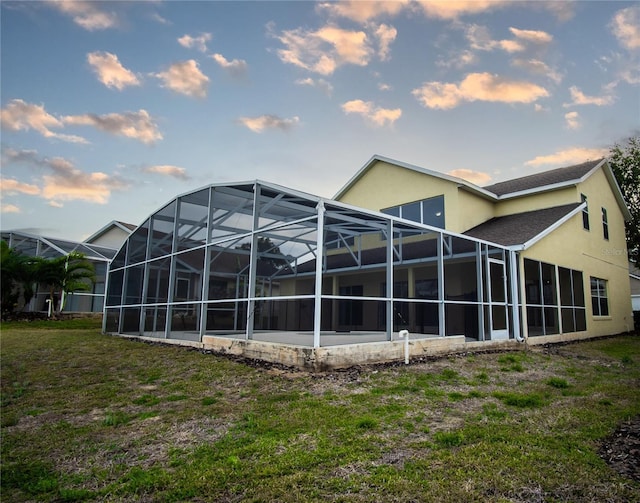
[[348, 355], [334, 357]]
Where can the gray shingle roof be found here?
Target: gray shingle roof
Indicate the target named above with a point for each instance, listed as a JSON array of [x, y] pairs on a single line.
[[519, 228], [543, 179]]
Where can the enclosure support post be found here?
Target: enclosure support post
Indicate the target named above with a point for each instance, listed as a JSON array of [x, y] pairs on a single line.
[[389, 293], [253, 263], [441, 279], [514, 263], [317, 312]]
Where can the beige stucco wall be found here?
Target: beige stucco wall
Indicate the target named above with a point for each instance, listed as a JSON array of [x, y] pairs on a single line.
[[538, 201], [573, 247], [472, 210], [113, 238], [385, 185]]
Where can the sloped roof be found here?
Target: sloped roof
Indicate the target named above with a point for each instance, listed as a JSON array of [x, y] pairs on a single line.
[[128, 228], [480, 191], [521, 228], [569, 174], [26, 243], [518, 187]]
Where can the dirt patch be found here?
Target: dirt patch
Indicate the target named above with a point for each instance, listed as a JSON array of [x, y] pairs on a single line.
[[621, 450]]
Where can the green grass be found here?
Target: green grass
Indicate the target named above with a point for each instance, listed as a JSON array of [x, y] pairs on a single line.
[[89, 417]]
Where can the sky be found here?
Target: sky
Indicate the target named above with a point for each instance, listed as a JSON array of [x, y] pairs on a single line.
[[109, 110]]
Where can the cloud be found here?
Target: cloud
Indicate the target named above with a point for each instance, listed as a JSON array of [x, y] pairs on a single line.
[[624, 66], [386, 35], [569, 156], [62, 181], [22, 116], [185, 78], [199, 43], [579, 98], [625, 26], [478, 87], [573, 120], [167, 170], [376, 115], [77, 185], [324, 50], [236, 67], [446, 9], [563, 11], [476, 177], [321, 84], [11, 186], [159, 19], [87, 14], [480, 39], [532, 36], [110, 71], [136, 125], [363, 11], [458, 60], [360, 11], [537, 67], [259, 124], [9, 208]]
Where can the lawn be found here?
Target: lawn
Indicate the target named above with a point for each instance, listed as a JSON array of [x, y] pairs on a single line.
[[92, 417]]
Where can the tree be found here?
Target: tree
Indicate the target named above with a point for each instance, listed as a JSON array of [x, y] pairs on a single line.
[[18, 274], [64, 275], [269, 254], [625, 163], [9, 271]]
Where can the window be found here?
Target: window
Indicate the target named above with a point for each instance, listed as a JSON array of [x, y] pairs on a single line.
[[428, 211], [599, 301], [585, 213], [605, 224]]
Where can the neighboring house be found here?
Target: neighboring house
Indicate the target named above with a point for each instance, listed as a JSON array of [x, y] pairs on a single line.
[[111, 235], [538, 259], [98, 251], [634, 277]]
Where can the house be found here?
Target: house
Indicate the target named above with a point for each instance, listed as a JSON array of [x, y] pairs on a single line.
[[261, 270], [111, 235], [567, 219], [634, 277], [99, 249]]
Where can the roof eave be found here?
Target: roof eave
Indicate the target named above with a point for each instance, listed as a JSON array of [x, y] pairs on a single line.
[[106, 228], [617, 192], [463, 184], [538, 190]]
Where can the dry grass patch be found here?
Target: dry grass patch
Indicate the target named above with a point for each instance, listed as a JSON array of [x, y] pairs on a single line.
[[88, 417]]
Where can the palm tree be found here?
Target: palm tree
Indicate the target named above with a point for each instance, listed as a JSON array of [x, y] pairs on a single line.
[[10, 261], [66, 274], [19, 274]]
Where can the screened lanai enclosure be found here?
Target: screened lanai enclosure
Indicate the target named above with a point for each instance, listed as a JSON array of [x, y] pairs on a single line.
[[259, 262], [91, 300]]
